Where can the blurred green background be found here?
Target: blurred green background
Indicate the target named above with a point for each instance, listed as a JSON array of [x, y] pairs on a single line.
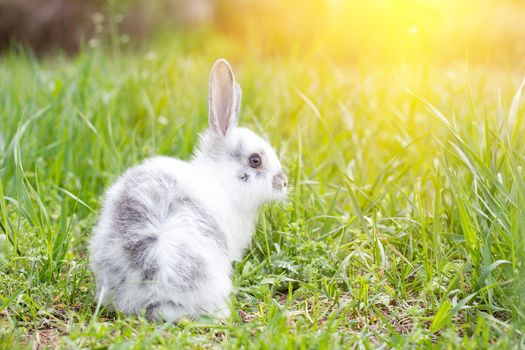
[[383, 31]]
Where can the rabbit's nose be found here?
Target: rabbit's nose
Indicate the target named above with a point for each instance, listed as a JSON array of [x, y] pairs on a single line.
[[279, 181]]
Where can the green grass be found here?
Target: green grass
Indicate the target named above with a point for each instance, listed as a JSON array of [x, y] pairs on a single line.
[[405, 226]]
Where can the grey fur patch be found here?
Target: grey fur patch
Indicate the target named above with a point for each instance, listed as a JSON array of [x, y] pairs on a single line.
[[195, 271], [137, 252], [191, 270], [152, 308], [118, 276], [131, 216], [237, 153], [209, 224], [173, 304], [244, 177], [149, 273]]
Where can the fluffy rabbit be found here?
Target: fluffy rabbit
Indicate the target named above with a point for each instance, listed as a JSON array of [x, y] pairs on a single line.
[[170, 229]]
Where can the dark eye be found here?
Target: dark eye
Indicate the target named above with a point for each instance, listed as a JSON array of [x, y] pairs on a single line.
[[255, 160]]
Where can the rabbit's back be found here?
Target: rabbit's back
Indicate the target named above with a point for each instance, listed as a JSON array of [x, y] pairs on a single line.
[[157, 248]]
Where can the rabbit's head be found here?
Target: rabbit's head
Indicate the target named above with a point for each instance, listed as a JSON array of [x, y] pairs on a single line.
[[243, 162]]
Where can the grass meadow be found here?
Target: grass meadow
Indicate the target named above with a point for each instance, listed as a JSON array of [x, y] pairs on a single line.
[[404, 227]]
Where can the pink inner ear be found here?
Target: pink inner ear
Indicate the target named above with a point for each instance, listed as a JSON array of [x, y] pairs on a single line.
[[222, 90], [225, 106]]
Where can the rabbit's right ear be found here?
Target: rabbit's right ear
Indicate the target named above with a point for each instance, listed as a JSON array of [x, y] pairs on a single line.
[[224, 98]]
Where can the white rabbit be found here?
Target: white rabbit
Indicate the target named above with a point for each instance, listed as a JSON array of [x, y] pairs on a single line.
[[170, 229]]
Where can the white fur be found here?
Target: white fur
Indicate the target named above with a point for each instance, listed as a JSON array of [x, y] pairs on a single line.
[[178, 242]]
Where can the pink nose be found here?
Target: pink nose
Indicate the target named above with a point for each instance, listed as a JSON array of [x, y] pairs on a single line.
[[279, 181]]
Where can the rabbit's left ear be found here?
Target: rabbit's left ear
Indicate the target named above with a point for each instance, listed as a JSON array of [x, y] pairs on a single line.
[[224, 98]]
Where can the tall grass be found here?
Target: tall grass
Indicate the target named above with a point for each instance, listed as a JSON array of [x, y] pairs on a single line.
[[404, 226]]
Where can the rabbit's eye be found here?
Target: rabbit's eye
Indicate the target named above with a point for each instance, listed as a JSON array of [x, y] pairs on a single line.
[[255, 160]]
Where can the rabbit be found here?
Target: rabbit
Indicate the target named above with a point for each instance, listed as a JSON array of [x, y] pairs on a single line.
[[170, 229]]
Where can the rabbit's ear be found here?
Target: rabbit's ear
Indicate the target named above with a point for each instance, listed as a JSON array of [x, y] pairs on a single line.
[[224, 98]]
